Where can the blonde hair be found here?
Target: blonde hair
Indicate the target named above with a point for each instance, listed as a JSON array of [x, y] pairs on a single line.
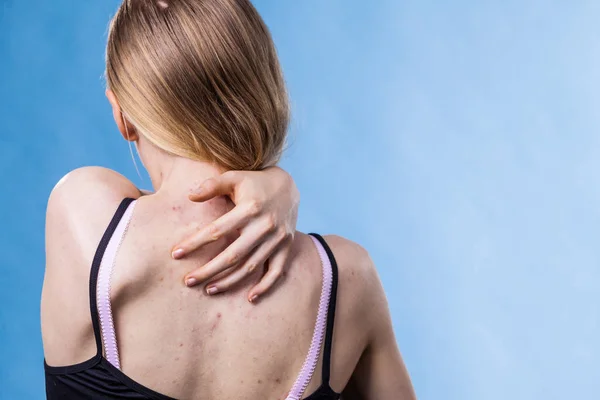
[[200, 79]]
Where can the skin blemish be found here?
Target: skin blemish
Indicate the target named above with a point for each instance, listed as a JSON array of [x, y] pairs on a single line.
[[176, 208], [259, 381], [180, 344], [278, 381], [215, 324]]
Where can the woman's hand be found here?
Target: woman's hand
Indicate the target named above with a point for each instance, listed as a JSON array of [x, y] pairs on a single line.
[[265, 213]]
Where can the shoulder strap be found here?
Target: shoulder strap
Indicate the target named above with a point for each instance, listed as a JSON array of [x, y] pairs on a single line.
[[331, 309], [96, 309], [322, 326]]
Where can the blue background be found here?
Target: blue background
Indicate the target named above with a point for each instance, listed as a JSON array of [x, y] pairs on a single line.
[[457, 141]]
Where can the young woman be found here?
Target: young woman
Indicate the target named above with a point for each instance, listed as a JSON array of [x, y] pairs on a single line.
[[196, 85]]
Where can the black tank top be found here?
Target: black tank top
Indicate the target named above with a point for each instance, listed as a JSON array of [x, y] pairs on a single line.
[[99, 379]]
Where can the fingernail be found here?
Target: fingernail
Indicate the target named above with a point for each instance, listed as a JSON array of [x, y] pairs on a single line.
[[253, 298], [177, 254], [191, 282], [212, 290]]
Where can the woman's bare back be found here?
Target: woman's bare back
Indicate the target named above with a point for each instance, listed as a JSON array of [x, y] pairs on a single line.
[[185, 344], [182, 343]]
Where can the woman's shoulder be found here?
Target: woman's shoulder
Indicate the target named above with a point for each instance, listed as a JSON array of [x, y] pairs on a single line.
[[356, 273], [81, 206], [88, 186], [87, 195], [359, 287], [79, 210], [354, 261], [361, 307]]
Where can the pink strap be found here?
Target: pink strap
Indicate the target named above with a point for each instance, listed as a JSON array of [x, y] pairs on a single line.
[[107, 325], [310, 364]]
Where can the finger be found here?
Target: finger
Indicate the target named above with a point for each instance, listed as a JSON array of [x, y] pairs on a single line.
[[256, 259], [230, 257], [276, 270], [222, 185], [212, 232]]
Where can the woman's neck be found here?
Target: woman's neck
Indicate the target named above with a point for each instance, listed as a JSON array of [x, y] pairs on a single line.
[[174, 176]]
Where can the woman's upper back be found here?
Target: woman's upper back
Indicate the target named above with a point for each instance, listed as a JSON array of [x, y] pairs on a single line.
[[176, 340]]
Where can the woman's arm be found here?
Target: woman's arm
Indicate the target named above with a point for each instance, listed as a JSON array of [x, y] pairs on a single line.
[[380, 373], [265, 214]]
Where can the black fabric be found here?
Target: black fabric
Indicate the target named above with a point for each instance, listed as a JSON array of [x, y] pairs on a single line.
[[96, 382], [97, 379], [324, 392]]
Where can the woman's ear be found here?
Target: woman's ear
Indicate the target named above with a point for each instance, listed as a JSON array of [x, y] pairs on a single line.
[[126, 128]]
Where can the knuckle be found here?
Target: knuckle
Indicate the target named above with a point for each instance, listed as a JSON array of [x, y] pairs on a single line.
[[255, 207], [209, 185], [250, 268], [287, 236], [214, 232], [233, 259], [282, 236], [270, 223]]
